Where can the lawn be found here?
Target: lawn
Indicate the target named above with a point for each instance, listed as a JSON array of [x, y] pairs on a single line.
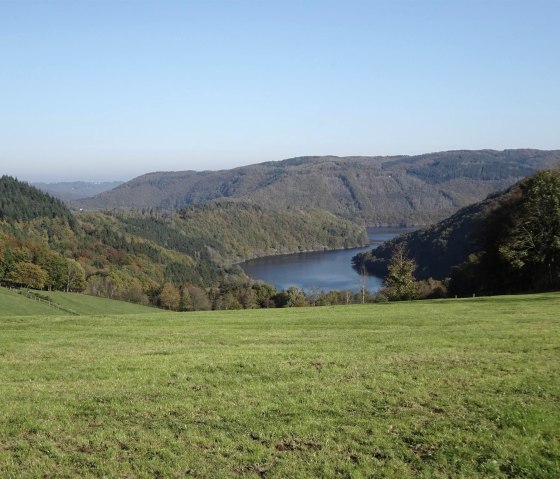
[[431, 389]]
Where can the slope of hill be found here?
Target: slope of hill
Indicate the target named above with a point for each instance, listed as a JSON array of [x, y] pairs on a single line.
[[75, 190], [14, 304], [57, 303], [20, 201], [509, 242], [439, 247], [372, 190]]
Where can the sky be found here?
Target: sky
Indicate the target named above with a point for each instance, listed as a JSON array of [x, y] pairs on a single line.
[[108, 90]]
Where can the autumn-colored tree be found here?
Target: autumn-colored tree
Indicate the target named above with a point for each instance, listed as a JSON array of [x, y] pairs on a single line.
[[170, 296], [185, 303], [27, 274], [199, 298]]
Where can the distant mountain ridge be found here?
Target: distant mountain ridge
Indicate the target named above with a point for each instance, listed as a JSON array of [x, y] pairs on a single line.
[[396, 190], [75, 190]]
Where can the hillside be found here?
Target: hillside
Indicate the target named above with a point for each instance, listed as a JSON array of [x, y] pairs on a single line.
[[20, 201], [434, 389], [510, 242], [75, 190], [133, 256], [57, 303], [371, 190]]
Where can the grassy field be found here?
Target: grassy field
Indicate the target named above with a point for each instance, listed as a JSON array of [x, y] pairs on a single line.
[[432, 389], [14, 304]]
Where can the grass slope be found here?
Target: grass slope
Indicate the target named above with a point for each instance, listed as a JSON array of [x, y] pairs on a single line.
[[94, 305], [14, 304], [433, 389]]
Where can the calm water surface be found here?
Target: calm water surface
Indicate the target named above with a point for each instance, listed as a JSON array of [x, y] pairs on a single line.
[[321, 271]]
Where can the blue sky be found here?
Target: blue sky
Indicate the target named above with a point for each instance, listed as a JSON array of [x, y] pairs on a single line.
[[99, 90]]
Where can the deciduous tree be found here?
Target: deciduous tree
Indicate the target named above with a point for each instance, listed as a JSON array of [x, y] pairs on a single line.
[[28, 274], [169, 296]]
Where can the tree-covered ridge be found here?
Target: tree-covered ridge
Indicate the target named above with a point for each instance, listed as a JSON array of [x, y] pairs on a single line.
[[508, 243], [373, 190], [20, 201]]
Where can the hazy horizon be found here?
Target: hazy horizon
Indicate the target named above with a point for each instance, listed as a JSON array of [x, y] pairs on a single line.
[[123, 180], [104, 91]]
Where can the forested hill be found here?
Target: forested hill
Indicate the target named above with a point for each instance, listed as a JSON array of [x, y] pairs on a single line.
[[373, 190], [21, 202], [508, 243]]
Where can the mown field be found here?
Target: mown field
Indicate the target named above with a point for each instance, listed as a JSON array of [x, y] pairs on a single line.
[[432, 389]]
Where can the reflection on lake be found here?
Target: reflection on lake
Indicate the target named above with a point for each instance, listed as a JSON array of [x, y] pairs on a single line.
[[322, 270]]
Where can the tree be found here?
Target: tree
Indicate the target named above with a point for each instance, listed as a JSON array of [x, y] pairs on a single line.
[[56, 268], [296, 297], [264, 293], [169, 296], [186, 302], [533, 246], [76, 276], [134, 293], [199, 298], [28, 274], [400, 280]]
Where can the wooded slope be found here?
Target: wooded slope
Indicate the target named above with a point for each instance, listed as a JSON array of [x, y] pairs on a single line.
[[509, 242], [372, 190]]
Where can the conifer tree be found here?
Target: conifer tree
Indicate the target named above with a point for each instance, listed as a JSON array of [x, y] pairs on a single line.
[[400, 280]]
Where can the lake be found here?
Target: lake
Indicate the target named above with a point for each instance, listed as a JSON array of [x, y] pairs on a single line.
[[321, 270]]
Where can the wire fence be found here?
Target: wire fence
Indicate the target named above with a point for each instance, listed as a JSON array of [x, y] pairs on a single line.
[[35, 297]]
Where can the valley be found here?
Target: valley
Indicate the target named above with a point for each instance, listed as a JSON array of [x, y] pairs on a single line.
[[186, 253]]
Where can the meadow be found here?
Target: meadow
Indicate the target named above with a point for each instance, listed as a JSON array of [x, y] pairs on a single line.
[[427, 389]]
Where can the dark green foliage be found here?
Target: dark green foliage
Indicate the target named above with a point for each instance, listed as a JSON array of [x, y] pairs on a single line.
[[508, 243], [532, 246], [400, 283], [179, 273], [437, 248], [22, 202], [520, 243]]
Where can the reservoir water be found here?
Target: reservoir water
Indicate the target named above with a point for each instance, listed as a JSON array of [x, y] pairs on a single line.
[[319, 271]]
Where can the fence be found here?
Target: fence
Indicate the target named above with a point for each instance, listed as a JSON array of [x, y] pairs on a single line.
[[34, 296]]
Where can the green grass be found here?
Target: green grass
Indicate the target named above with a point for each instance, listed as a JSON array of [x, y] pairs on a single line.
[[94, 305], [432, 389], [14, 304]]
